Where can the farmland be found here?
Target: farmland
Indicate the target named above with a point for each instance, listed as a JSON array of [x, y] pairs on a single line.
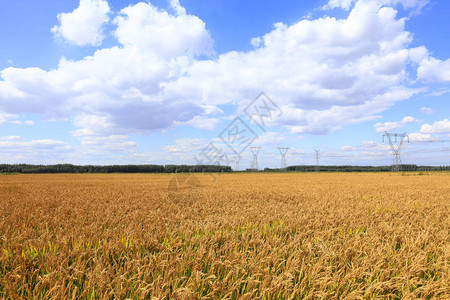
[[297, 235]]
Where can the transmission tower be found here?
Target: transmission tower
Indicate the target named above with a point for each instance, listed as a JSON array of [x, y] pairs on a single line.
[[255, 151], [317, 160], [396, 147], [283, 152], [236, 160]]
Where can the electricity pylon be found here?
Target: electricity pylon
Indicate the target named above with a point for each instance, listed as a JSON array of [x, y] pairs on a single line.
[[317, 159], [396, 148], [236, 160], [283, 152], [255, 151]]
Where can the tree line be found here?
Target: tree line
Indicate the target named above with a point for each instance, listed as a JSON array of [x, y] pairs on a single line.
[[349, 168], [69, 168]]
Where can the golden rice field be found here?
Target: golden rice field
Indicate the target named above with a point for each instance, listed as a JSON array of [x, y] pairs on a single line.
[[263, 236]]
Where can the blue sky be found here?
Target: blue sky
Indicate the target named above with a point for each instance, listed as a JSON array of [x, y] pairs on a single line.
[[117, 82]]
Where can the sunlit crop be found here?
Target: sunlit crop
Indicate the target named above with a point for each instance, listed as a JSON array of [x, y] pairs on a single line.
[[241, 235]]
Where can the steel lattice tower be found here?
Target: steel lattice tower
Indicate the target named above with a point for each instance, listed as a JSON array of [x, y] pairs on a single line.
[[396, 148], [317, 160], [255, 151], [283, 152], [236, 160]]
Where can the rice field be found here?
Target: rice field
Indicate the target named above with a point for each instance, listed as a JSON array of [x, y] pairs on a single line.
[[249, 236]]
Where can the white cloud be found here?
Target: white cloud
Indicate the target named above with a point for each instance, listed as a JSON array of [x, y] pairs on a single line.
[[10, 138], [83, 26], [201, 122], [146, 27], [175, 4], [439, 92], [113, 143], [419, 137], [186, 145], [427, 110], [271, 138], [324, 73], [347, 148], [325, 121], [19, 122], [388, 126], [4, 117], [13, 142], [256, 42], [118, 90], [416, 5], [409, 119], [417, 54], [442, 126], [434, 70], [367, 147], [344, 4], [14, 149]]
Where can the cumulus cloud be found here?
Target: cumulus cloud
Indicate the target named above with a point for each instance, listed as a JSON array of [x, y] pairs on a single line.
[[315, 63], [419, 137], [434, 70], [117, 90], [324, 73], [409, 119], [147, 28], [325, 121], [14, 149], [388, 126], [84, 25], [442, 126]]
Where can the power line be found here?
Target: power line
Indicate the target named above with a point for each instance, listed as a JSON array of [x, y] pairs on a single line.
[[427, 151], [430, 141]]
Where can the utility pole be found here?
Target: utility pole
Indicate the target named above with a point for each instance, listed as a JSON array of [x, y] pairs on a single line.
[[255, 151], [283, 152], [317, 160], [396, 148]]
